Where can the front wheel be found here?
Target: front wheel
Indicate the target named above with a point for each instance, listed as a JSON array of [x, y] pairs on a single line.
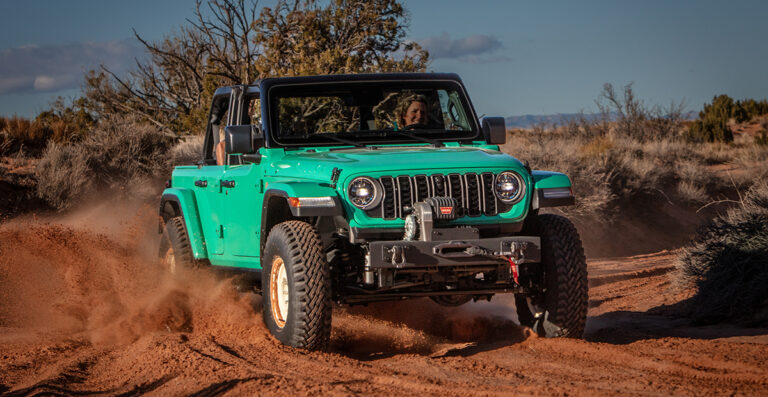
[[296, 285], [175, 249], [560, 309]]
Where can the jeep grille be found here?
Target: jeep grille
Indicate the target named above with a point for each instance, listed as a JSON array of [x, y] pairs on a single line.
[[473, 192]]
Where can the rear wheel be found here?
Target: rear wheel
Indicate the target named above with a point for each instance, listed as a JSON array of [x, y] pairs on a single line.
[[296, 285], [175, 249], [560, 309]]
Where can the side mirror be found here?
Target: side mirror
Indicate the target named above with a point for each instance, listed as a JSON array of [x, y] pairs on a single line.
[[494, 130], [243, 139]]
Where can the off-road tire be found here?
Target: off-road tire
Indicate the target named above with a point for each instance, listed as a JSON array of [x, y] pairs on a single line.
[[175, 246], [296, 246], [563, 303]]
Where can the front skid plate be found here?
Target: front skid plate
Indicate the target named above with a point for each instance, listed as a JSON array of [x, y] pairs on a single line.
[[417, 254]]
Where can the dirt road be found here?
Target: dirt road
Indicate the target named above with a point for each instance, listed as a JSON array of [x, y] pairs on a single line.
[[83, 313]]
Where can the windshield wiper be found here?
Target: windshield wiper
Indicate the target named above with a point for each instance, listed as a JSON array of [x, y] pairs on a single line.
[[433, 142]]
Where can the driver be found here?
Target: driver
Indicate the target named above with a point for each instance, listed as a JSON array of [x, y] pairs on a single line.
[[412, 111]]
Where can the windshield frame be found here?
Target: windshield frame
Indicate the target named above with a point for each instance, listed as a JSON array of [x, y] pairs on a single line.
[[368, 137]]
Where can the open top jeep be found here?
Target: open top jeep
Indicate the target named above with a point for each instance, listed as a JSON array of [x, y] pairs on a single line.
[[323, 191]]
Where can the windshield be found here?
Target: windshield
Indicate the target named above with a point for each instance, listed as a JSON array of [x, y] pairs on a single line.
[[371, 112]]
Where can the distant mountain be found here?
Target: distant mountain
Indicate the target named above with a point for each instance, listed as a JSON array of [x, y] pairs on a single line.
[[530, 120]]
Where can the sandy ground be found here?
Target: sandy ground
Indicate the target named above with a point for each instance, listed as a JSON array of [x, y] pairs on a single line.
[[85, 310]]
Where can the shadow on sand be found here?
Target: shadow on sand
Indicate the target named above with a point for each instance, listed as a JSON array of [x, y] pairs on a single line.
[[623, 327]]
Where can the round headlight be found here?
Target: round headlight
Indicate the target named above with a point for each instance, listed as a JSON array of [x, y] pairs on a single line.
[[509, 187], [364, 192]]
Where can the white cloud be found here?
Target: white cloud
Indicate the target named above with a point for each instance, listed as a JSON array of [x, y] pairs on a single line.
[[444, 47], [45, 83]]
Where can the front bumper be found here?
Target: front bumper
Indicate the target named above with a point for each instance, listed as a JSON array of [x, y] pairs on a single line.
[[419, 254]]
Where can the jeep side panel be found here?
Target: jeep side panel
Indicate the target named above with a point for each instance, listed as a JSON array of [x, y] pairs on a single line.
[[242, 196]]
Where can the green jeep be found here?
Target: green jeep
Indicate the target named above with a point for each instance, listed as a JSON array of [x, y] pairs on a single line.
[[367, 188]]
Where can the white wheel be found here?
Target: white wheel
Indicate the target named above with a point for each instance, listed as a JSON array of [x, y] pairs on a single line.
[[170, 261], [280, 298], [296, 286]]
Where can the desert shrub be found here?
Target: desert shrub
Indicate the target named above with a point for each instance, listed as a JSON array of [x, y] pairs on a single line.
[[66, 123], [711, 128], [747, 109], [712, 125], [631, 118], [21, 134], [119, 150], [60, 123], [62, 175], [727, 263], [188, 150]]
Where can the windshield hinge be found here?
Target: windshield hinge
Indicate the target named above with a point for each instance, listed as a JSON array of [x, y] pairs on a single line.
[[335, 177]]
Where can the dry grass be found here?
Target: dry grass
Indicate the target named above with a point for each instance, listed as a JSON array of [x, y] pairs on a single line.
[[18, 134], [118, 155], [611, 170], [188, 150]]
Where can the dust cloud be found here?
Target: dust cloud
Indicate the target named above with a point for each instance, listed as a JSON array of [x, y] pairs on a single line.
[[95, 273]]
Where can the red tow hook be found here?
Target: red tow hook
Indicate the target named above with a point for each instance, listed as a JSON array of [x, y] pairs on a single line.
[[513, 269]]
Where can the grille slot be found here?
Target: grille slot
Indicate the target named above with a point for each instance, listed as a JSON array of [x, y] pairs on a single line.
[[473, 193], [405, 188], [456, 190], [421, 184], [389, 201], [490, 206]]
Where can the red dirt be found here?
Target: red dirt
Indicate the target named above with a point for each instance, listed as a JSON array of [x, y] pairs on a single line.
[[81, 311]]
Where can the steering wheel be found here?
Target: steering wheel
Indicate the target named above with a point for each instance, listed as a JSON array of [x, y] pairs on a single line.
[[416, 126]]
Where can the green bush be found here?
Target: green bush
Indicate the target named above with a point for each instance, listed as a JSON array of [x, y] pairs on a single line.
[[712, 125], [748, 109], [727, 263], [118, 151]]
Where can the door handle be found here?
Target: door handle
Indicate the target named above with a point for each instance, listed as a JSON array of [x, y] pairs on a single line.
[[201, 183], [228, 184]]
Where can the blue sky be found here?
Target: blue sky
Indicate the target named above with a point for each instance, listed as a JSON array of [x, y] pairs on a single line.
[[532, 57]]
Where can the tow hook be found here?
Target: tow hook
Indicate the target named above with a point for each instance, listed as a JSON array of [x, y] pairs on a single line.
[[398, 256], [513, 270]]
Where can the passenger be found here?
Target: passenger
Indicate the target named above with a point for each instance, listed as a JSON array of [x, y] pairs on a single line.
[[412, 112]]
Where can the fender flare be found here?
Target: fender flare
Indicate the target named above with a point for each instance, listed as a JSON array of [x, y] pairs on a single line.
[[304, 189], [186, 205], [283, 191], [543, 180]]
